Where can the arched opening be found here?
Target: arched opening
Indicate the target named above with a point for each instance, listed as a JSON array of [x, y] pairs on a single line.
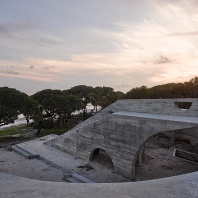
[[162, 135], [101, 157], [183, 105], [183, 140], [154, 159]]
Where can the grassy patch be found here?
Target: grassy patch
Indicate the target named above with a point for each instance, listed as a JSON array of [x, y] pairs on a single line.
[[23, 129], [13, 130], [57, 130]]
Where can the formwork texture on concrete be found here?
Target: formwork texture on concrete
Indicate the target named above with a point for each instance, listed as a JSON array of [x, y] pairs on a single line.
[[122, 128]]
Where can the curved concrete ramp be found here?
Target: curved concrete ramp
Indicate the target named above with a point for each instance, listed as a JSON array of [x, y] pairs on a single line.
[[183, 186]]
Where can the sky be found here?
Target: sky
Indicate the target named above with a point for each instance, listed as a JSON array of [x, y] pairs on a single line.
[[59, 44]]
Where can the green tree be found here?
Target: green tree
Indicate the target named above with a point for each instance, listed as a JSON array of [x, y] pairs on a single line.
[[106, 96], [30, 108], [55, 104], [14, 103], [114, 96], [83, 92], [192, 87], [103, 93], [138, 93]]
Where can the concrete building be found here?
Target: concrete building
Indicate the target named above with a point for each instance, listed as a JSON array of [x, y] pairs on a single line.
[[122, 129]]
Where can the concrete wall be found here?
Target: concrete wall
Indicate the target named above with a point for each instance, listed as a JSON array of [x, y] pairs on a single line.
[[154, 106], [159, 106], [182, 186], [123, 136]]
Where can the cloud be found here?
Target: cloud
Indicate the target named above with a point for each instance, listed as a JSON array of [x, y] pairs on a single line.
[[11, 28], [28, 31], [49, 41], [162, 60], [124, 53], [8, 70], [122, 85], [183, 34], [48, 67]]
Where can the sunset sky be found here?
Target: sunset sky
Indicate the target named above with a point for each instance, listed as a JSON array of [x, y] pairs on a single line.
[[58, 44]]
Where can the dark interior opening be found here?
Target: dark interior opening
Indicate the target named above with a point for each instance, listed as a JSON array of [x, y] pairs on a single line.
[[101, 157], [183, 105], [183, 140]]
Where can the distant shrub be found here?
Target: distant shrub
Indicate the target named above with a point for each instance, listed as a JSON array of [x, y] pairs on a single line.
[[48, 124]]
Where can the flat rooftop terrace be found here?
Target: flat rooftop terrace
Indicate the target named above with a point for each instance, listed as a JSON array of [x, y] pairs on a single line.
[[187, 119]]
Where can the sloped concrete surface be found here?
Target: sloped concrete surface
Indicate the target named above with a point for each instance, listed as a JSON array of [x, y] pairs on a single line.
[[183, 186], [186, 119], [68, 163]]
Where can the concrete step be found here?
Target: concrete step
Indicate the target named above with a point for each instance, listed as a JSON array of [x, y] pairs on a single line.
[[75, 178], [81, 178], [72, 180], [69, 173], [69, 178], [26, 153]]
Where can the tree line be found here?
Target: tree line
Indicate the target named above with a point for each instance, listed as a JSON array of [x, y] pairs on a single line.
[[171, 90], [50, 106], [59, 105]]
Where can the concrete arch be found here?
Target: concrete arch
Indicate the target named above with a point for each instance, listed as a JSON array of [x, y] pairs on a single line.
[[138, 153], [122, 133], [187, 135], [140, 150], [169, 134], [98, 150]]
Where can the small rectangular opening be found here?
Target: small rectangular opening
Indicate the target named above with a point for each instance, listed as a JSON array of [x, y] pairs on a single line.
[[191, 157]]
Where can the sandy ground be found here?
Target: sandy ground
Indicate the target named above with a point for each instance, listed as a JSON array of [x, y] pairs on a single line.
[[157, 162], [15, 164]]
